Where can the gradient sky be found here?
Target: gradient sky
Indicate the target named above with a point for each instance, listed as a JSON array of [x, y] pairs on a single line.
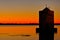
[[26, 11]]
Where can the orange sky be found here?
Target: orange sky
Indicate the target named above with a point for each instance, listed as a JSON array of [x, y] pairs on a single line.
[[18, 11]]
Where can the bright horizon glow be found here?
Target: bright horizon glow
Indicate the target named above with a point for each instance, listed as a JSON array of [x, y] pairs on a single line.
[[26, 11]]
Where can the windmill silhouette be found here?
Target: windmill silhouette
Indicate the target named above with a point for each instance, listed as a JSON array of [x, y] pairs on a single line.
[[46, 24]]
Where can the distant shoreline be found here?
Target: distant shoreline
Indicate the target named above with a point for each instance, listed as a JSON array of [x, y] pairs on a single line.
[[24, 24]]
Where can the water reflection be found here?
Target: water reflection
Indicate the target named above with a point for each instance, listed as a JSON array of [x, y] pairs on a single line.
[[23, 33], [18, 32], [57, 35], [20, 35]]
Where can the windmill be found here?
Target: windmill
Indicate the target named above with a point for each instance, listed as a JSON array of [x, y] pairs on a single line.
[[46, 28]]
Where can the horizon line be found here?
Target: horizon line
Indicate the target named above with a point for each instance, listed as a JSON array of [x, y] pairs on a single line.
[[24, 23]]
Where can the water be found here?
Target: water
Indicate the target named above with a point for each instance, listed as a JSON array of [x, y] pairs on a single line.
[[23, 32], [57, 35]]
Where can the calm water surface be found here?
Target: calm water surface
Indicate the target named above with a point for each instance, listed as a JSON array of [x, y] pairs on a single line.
[[57, 35], [23, 32], [20, 32]]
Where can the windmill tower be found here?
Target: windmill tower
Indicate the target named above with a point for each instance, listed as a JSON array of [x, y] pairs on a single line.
[[46, 24]]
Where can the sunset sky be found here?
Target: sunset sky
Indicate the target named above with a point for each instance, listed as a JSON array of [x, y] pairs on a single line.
[[26, 11]]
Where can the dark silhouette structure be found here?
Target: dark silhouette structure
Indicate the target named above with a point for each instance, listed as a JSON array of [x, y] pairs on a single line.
[[46, 24]]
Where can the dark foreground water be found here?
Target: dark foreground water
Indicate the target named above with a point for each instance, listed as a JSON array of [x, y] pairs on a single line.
[[22, 32]]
